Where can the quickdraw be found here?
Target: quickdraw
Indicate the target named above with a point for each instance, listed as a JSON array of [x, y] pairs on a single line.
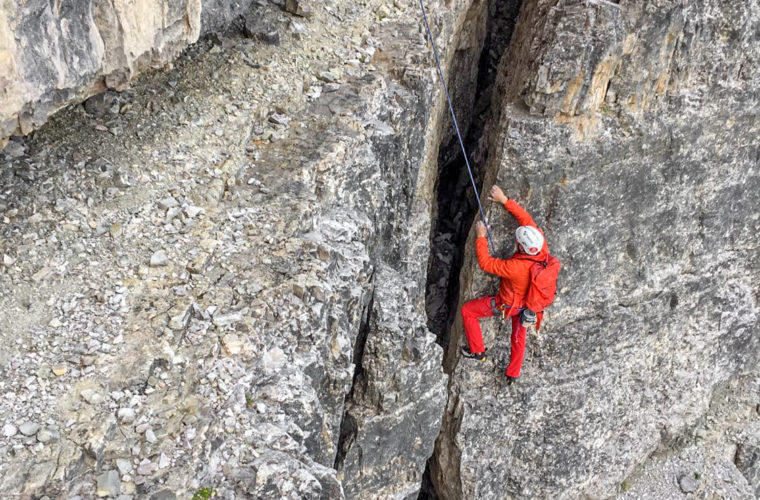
[[499, 310]]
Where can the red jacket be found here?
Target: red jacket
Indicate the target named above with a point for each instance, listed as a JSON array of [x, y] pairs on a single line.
[[514, 271]]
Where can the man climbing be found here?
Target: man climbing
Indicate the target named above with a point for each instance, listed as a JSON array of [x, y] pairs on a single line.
[[515, 274]]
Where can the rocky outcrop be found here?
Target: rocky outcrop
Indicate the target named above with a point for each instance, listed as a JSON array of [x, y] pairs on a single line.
[[627, 130], [199, 294], [214, 280], [52, 55], [394, 411]]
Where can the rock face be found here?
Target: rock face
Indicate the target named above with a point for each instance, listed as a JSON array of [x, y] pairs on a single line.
[[199, 294], [627, 130], [54, 55], [398, 384], [214, 281]]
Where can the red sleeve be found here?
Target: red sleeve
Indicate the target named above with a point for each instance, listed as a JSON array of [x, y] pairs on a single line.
[[519, 213], [492, 265]]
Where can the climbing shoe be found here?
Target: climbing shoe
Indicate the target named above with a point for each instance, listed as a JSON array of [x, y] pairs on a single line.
[[467, 353], [511, 380]]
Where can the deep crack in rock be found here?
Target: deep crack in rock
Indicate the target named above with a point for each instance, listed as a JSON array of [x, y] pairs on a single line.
[[456, 205], [348, 426]]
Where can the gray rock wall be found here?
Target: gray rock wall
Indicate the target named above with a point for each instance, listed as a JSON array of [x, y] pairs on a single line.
[[223, 235], [221, 286], [627, 130], [394, 412], [55, 54]]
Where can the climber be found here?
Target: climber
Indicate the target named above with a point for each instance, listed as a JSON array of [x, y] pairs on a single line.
[[515, 273]]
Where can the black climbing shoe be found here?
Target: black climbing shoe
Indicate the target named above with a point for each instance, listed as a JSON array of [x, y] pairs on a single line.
[[467, 353], [511, 380]]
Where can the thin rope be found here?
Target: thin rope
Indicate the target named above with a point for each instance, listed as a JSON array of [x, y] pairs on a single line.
[[456, 126]]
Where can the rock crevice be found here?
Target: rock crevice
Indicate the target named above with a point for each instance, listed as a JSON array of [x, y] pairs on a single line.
[[618, 171], [221, 278]]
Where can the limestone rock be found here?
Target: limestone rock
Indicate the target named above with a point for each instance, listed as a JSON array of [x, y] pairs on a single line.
[[54, 57], [92, 396], [747, 460], [399, 383], [29, 428], [688, 484], [109, 484], [627, 353], [126, 415], [44, 436], [232, 344], [59, 369], [629, 130], [301, 8], [159, 259]]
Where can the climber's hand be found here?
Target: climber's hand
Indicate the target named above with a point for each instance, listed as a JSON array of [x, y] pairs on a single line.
[[497, 195], [480, 229]]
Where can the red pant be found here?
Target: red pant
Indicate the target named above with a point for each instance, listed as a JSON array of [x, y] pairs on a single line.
[[473, 310]]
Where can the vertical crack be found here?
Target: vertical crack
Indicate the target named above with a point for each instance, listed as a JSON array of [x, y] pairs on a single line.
[[456, 207], [348, 426]]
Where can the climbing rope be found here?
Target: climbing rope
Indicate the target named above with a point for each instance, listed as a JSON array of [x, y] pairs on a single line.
[[456, 126]]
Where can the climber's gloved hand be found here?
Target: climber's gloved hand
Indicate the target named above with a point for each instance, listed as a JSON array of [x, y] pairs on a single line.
[[480, 229]]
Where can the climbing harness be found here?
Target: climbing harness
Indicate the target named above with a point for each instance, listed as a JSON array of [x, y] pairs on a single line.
[[456, 126], [526, 316]]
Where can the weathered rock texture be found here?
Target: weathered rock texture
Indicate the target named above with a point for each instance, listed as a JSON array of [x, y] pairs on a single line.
[[53, 54], [629, 132], [188, 272], [215, 280], [717, 457], [398, 385]]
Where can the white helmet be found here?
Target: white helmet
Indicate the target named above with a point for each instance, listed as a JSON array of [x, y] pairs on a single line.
[[530, 239]]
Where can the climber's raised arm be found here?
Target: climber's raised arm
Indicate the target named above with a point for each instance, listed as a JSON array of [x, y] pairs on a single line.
[[518, 212]]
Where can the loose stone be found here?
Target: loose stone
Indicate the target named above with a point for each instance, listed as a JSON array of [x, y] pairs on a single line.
[[299, 7], [124, 465], [44, 436], [279, 119], [150, 436], [109, 484], [146, 468], [92, 396], [29, 428], [126, 415], [232, 344], [158, 259], [688, 484], [227, 319], [59, 369], [167, 203]]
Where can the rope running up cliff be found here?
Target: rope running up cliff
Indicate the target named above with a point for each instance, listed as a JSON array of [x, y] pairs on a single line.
[[456, 125]]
